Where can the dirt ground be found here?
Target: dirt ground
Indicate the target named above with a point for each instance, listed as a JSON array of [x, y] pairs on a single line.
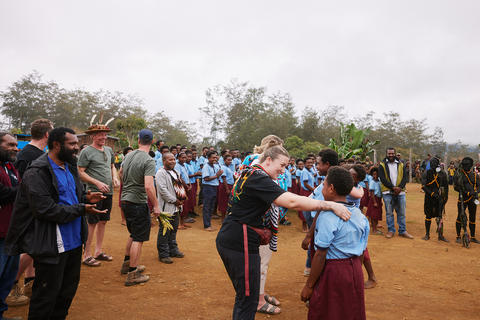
[[416, 279]]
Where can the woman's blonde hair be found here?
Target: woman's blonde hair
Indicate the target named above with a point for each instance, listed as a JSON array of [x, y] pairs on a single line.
[[273, 153], [268, 142]]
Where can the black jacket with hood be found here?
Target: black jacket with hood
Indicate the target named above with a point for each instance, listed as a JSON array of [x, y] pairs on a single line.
[[36, 213]]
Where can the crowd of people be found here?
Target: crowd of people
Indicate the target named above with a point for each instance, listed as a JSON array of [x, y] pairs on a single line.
[[54, 204]]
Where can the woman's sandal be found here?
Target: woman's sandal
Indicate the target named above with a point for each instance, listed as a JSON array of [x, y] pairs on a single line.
[[379, 233], [267, 308], [271, 300], [91, 262]]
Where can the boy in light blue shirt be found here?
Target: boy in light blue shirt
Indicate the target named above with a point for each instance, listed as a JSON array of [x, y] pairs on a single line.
[[211, 173]]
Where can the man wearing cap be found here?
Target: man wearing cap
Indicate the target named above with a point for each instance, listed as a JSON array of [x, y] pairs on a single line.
[[96, 166], [138, 172]]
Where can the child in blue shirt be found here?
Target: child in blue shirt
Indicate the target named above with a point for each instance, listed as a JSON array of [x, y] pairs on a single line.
[[336, 258], [226, 185], [211, 173]]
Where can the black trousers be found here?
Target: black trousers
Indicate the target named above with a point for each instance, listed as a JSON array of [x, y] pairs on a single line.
[[167, 244], [245, 307], [200, 195], [472, 213], [55, 286]]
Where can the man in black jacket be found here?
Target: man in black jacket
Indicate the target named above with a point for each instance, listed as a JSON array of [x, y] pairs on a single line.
[[48, 223], [394, 176]]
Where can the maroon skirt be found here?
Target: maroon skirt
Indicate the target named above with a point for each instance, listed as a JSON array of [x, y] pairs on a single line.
[[366, 198], [294, 186], [339, 292], [223, 198], [375, 212], [304, 193]]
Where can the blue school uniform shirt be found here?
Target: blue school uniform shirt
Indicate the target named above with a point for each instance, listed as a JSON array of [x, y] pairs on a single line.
[[183, 172], [342, 239], [236, 162], [362, 183], [376, 186], [288, 177], [293, 174], [298, 173], [210, 171], [232, 167], [191, 170], [201, 161], [228, 174], [317, 195], [158, 164], [355, 201], [307, 176], [158, 155], [220, 161], [69, 233]]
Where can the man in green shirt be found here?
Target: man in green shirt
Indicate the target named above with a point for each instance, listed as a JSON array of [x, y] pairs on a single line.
[[96, 166], [137, 173]]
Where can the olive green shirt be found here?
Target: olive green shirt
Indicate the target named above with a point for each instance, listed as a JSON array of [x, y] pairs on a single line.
[[136, 166], [98, 165]]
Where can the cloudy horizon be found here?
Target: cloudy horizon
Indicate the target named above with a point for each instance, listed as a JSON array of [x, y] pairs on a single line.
[[419, 59]]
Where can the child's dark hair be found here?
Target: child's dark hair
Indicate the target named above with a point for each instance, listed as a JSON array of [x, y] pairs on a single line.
[[298, 160], [330, 156], [227, 155], [210, 154], [341, 179], [361, 172], [372, 170]]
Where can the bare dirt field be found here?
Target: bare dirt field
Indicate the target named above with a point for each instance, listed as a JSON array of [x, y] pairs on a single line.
[[416, 279]]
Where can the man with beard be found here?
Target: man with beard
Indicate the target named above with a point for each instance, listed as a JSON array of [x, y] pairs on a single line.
[[394, 176], [9, 179], [48, 224], [96, 165], [435, 185], [470, 193]]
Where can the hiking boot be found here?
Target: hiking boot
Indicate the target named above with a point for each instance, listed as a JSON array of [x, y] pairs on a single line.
[[126, 265], [16, 298], [134, 277], [166, 260], [179, 255], [27, 289]]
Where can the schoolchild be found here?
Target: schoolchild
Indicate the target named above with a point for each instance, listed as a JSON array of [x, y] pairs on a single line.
[[298, 174], [307, 183], [182, 168], [201, 161], [211, 173], [374, 210], [159, 162], [337, 251], [225, 186], [193, 173]]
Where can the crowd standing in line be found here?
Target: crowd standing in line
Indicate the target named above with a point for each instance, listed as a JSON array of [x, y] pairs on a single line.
[[67, 196]]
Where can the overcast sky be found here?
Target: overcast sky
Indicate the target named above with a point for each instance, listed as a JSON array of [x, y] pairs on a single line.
[[420, 58]]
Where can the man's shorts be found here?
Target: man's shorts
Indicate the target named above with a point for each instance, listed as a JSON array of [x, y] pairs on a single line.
[[101, 205], [138, 220]]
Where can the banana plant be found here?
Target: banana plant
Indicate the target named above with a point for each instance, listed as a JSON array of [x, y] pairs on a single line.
[[353, 141]]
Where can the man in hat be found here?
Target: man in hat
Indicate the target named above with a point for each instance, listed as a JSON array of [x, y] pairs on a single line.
[[96, 165]]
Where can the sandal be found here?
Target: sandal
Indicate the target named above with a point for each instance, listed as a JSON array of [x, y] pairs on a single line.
[[181, 227], [187, 226], [265, 309], [271, 300], [91, 262], [286, 223], [104, 257], [379, 233]]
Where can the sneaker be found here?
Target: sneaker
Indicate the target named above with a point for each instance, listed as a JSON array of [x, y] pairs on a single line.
[[27, 289], [166, 260], [210, 229], [306, 272], [126, 266], [15, 298], [179, 255], [134, 277]]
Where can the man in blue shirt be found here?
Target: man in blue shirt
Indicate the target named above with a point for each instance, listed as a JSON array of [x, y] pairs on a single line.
[[158, 152], [48, 223]]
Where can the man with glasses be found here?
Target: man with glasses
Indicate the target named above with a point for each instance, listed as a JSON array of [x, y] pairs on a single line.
[[96, 166]]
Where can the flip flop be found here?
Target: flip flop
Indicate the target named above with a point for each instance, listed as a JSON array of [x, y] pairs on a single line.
[[265, 309], [104, 257], [379, 233], [187, 226], [273, 301], [181, 227], [91, 262]]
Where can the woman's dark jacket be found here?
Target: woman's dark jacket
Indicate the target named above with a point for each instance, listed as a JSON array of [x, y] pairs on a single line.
[[36, 213]]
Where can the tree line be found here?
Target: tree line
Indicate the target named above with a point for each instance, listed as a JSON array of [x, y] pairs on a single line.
[[237, 114]]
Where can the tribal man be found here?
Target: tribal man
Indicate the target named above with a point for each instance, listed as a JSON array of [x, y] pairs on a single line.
[[435, 185], [470, 194]]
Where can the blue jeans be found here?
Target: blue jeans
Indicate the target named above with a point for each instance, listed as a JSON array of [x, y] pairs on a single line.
[[209, 197], [400, 208], [8, 271]]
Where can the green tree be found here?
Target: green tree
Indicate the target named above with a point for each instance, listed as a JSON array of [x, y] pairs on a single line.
[[131, 126]]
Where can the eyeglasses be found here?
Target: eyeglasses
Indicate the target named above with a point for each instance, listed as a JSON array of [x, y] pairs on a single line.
[[105, 156]]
